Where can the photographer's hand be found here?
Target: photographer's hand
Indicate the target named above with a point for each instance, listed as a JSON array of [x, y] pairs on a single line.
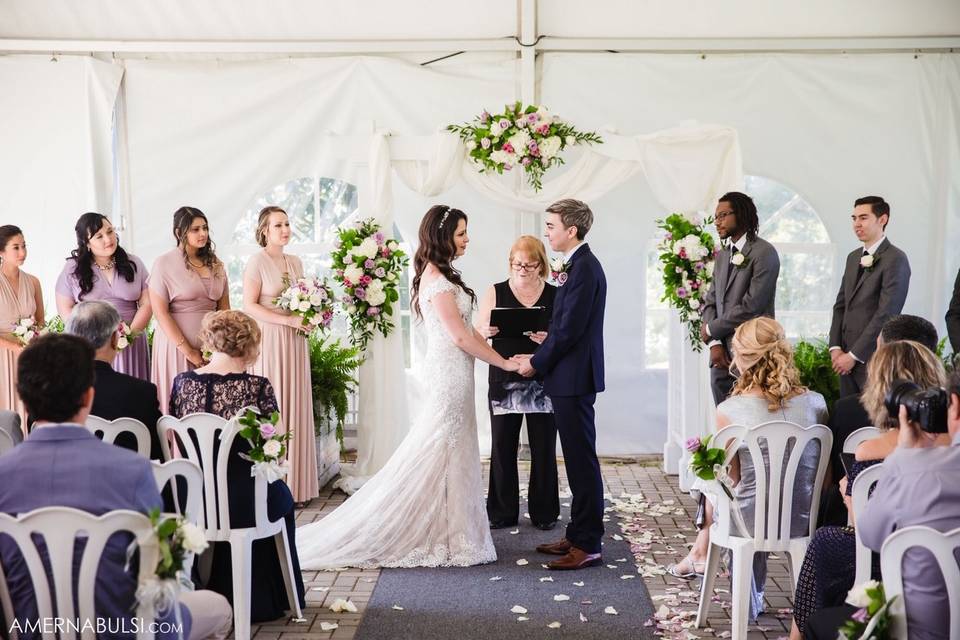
[[911, 435]]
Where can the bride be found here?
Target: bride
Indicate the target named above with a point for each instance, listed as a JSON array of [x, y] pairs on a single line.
[[425, 507]]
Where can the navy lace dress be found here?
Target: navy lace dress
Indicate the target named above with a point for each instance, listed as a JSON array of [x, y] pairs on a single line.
[[225, 395], [830, 565]]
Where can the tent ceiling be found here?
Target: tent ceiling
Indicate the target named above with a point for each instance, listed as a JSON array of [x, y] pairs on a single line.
[[255, 20]]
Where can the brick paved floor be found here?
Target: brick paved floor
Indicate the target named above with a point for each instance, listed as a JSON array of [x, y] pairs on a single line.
[[665, 513]]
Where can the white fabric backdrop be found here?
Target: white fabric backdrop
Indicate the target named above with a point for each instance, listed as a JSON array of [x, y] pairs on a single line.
[[56, 159]]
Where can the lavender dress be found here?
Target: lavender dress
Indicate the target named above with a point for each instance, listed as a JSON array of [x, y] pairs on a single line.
[[125, 297]]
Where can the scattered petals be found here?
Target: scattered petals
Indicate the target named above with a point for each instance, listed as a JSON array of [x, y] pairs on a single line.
[[522, 618], [561, 597], [340, 605], [546, 579], [397, 607], [578, 584], [320, 588], [522, 562], [328, 626], [515, 532], [553, 625], [583, 618], [611, 611], [628, 576], [298, 620], [617, 536], [518, 609], [496, 578], [612, 566]]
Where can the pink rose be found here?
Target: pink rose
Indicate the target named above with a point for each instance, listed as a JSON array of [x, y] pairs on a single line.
[[543, 129], [372, 311], [369, 264], [681, 292], [562, 278], [360, 293], [692, 444], [378, 237], [485, 143], [508, 148], [365, 280], [526, 161], [267, 430]]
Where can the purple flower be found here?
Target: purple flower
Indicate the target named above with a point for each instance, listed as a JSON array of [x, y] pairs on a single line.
[[484, 117], [267, 430], [504, 124], [525, 161], [485, 143], [669, 236], [698, 266], [360, 293], [692, 444], [378, 237], [860, 615], [532, 117], [369, 263], [681, 292], [380, 272], [372, 311], [347, 299]]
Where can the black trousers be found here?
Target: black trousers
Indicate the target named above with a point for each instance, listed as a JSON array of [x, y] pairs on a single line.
[[503, 496], [825, 624], [854, 382], [578, 438], [721, 382]]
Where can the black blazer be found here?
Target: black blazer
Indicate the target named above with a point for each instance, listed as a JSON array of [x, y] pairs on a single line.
[[117, 395], [571, 358], [848, 415]]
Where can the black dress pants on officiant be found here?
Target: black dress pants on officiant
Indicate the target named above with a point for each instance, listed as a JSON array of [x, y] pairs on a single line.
[[503, 496]]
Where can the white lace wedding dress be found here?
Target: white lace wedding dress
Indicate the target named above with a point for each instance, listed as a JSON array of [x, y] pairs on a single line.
[[425, 507]]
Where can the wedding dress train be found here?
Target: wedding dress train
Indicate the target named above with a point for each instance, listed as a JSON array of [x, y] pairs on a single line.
[[425, 507]]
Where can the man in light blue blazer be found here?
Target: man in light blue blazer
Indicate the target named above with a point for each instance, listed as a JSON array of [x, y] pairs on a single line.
[[62, 464]]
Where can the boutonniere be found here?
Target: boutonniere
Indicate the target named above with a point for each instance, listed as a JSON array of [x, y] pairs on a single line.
[[739, 260], [868, 262], [558, 270]]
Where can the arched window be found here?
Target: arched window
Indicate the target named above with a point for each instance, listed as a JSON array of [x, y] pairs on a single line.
[[316, 207], [805, 289]]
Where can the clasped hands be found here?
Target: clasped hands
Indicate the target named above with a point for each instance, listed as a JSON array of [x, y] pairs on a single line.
[[843, 363], [524, 367]]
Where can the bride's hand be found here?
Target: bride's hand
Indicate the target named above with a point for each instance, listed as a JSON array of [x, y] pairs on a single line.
[[510, 365]]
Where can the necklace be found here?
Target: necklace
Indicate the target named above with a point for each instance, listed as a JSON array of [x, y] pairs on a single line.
[[525, 298], [105, 267], [195, 266]]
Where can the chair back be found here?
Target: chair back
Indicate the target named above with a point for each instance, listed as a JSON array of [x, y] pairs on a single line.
[[168, 472], [108, 430], [202, 438], [784, 443], [862, 434], [860, 492], [6, 442], [942, 546], [60, 527]]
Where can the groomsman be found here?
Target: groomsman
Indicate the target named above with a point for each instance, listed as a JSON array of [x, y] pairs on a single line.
[[744, 284], [953, 316], [874, 288]]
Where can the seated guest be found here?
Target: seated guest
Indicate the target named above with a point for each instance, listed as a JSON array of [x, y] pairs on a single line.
[[848, 413], [10, 422], [223, 387], [768, 389], [117, 394], [61, 464], [920, 486], [829, 567]]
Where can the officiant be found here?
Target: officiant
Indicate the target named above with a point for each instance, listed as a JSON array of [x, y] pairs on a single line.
[[513, 397]]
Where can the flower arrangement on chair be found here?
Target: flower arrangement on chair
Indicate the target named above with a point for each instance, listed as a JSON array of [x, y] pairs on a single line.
[[873, 615], [268, 447]]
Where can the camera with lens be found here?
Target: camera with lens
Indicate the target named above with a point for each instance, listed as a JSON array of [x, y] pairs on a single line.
[[926, 407]]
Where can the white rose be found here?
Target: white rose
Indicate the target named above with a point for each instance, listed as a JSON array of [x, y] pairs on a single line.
[[391, 277], [353, 273], [737, 259], [550, 147], [316, 300], [193, 538], [858, 597], [316, 319], [376, 297], [520, 140], [501, 157], [544, 115], [271, 448], [368, 248], [571, 140], [392, 245], [866, 261], [471, 145], [694, 303], [693, 315], [710, 266], [304, 305], [348, 256], [351, 309], [122, 343]]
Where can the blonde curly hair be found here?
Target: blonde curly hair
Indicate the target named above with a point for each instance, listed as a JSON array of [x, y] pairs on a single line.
[[231, 332], [898, 360], [765, 360]]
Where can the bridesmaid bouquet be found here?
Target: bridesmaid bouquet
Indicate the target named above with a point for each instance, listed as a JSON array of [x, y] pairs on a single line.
[[268, 447], [309, 298], [368, 266], [26, 329], [125, 336], [686, 254]]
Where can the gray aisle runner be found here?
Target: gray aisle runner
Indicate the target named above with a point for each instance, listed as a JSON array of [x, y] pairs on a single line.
[[465, 604]]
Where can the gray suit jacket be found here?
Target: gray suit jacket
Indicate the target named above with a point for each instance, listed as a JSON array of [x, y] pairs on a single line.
[[738, 294], [865, 303]]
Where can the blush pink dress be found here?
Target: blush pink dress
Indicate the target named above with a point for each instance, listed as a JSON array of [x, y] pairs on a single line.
[[15, 304], [285, 361], [189, 298]]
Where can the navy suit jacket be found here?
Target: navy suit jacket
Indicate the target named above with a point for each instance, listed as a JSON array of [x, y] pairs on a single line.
[[121, 396], [67, 466], [570, 360]]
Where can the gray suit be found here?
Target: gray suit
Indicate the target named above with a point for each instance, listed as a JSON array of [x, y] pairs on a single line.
[[864, 303], [738, 294], [10, 422]]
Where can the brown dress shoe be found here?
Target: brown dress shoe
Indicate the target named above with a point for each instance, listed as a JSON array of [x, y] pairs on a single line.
[[559, 548], [575, 559]]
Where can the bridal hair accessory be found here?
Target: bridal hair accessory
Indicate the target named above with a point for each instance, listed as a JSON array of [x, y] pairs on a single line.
[[444, 218]]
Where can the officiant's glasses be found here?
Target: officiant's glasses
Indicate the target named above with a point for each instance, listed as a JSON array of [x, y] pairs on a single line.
[[520, 266]]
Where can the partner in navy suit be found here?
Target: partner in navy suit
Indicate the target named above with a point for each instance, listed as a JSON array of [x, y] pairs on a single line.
[[62, 464], [570, 361]]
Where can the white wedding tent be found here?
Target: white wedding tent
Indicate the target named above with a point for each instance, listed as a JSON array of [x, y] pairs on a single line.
[[335, 109]]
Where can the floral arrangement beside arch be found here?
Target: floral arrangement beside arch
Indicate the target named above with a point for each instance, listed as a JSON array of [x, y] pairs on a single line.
[[687, 252], [530, 137], [368, 265]]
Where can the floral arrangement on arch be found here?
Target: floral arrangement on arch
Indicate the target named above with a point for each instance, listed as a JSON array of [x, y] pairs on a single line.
[[530, 137], [368, 266], [686, 253], [309, 298], [268, 447]]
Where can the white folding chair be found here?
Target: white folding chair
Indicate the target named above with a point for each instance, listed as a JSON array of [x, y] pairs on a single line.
[[196, 435], [771, 533], [167, 473], [859, 495], [942, 546], [60, 527], [110, 429], [862, 434], [6, 442]]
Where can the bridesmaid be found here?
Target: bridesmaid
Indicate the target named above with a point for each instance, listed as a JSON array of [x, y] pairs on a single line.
[[185, 284], [99, 269], [284, 355], [20, 297]]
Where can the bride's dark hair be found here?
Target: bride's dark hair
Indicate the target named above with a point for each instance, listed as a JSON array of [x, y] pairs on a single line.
[[437, 246]]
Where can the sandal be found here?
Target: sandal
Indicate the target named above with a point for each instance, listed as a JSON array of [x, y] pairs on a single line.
[[687, 569]]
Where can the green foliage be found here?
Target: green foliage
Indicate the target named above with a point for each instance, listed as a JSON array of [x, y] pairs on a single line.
[[879, 608], [705, 458], [812, 359], [331, 376], [172, 552], [949, 361], [252, 431]]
